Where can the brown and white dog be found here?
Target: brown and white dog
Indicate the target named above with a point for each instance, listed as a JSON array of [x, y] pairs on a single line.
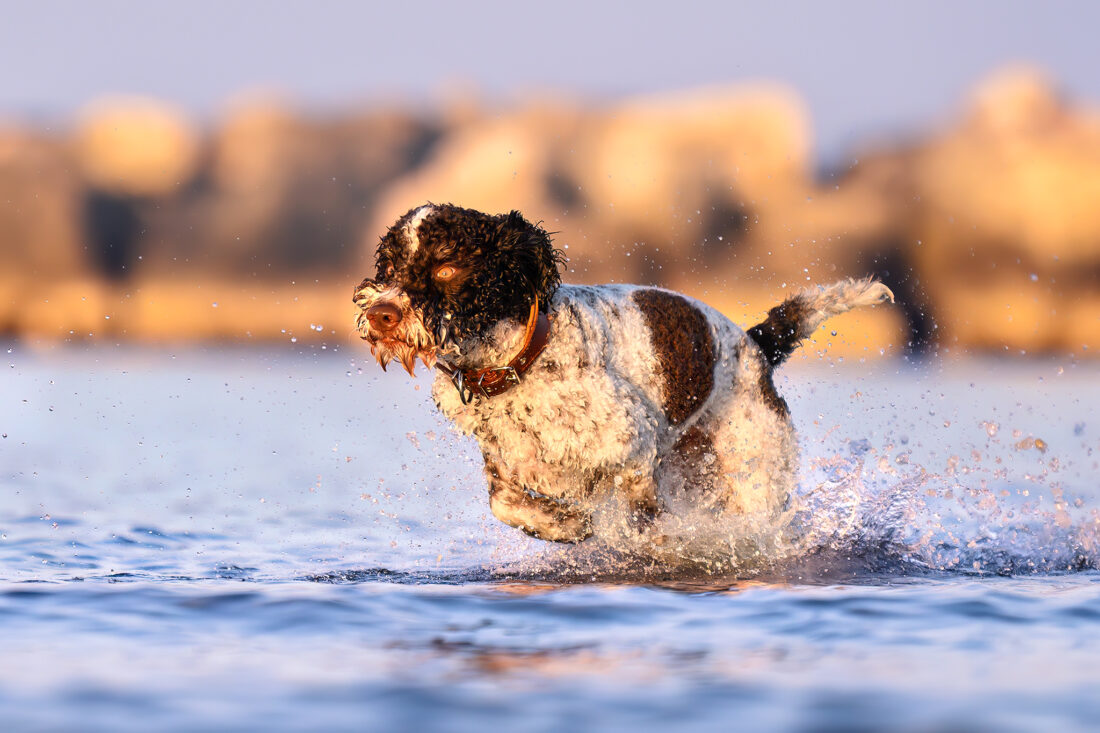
[[577, 393]]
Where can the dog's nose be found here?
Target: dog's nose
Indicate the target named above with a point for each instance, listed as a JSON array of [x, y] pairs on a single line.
[[384, 316]]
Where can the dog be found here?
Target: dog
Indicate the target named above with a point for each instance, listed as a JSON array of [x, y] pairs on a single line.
[[580, 393]]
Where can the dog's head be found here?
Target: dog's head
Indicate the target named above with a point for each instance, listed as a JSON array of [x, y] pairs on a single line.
[[445, 275]]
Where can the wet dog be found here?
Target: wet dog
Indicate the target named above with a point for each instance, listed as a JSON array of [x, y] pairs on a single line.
[[579, 393]]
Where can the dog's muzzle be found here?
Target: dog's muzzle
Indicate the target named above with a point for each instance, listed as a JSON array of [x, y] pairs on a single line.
[[393, 328]]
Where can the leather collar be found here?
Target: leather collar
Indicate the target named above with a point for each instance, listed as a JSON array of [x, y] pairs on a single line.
[[491, 381]]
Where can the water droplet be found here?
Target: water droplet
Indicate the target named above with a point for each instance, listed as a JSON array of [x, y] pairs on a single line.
[[859, 447]]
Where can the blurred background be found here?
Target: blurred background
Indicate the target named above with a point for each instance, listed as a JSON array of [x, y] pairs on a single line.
[[221, 172]]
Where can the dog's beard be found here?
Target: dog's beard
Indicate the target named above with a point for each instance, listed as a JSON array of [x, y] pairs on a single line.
[[405, 353], [405, 344]]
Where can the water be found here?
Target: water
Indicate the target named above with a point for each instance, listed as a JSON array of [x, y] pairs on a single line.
[[251, 540]]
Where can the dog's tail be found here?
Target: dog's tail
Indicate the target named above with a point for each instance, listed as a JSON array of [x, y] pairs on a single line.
[[798, 316]]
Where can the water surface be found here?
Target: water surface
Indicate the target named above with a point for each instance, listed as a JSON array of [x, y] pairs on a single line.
[[261, 540]]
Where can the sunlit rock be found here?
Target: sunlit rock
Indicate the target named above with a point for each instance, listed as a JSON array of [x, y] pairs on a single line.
[[652, 160], [1008, 221], [661, 179], [40, 238], [492, 163], [136, 146], [985, 226]]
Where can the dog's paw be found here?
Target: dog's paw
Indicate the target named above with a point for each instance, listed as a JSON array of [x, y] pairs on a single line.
[[568, 527], [573, 526]]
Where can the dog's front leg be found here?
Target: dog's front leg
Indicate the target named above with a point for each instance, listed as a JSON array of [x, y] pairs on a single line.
[[538, 516]]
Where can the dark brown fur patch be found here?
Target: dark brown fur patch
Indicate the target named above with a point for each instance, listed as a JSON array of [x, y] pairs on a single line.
[[781, 331], [693, 444], [771, 396], [491, 473], [684, 348]]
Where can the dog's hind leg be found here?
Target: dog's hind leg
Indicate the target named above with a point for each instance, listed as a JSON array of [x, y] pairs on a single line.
[[538, 516], [755, 442], [798, 316]]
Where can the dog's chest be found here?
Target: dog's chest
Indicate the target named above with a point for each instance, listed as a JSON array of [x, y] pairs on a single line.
[[560, 414], [583, 401]]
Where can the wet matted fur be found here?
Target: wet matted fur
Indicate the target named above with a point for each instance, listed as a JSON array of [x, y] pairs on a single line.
[[641, 394]]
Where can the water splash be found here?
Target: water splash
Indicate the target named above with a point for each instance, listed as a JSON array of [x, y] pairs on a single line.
[[867, 512]]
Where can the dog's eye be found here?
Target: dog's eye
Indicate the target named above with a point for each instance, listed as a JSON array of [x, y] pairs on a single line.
[[445, 272], [388, 272]]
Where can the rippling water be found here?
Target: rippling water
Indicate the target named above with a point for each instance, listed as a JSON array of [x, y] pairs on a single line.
[[248, 540]]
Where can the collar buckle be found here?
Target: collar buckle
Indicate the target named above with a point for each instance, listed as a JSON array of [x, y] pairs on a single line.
[[458, 379], [507, 373]]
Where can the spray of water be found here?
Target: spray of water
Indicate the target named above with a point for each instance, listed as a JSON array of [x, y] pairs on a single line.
[[866, 512]]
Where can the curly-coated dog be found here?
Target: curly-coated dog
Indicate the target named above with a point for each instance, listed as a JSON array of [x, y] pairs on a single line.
[[578, 393]]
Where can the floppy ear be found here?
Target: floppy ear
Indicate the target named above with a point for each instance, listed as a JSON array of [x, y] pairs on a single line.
[[527, 248]]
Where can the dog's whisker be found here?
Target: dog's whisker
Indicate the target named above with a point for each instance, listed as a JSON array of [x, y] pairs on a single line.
[[407, 357]]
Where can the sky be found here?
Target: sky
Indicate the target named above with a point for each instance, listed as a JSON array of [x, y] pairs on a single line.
[[863, 68]]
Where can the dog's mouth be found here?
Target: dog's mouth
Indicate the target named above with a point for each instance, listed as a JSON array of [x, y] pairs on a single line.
[[386, 350], [395, 330], [404, 344]]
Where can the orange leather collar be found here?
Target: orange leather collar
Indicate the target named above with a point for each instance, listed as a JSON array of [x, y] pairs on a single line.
[[491, 381]]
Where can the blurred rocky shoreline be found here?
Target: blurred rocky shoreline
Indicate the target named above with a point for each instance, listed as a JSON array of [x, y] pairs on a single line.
[[136, 223]]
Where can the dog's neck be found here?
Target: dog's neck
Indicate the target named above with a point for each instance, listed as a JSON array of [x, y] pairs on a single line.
[[495, 348]]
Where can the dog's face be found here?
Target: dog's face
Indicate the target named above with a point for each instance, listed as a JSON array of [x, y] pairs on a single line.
[[445, 275]]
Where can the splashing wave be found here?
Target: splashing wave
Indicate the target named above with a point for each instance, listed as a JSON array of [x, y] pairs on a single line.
[[865, 514]]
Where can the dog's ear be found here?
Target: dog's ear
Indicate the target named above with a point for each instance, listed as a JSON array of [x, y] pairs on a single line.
[[527, 247]]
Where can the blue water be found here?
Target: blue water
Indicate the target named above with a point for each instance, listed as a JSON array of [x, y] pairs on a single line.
[[264, 540]]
